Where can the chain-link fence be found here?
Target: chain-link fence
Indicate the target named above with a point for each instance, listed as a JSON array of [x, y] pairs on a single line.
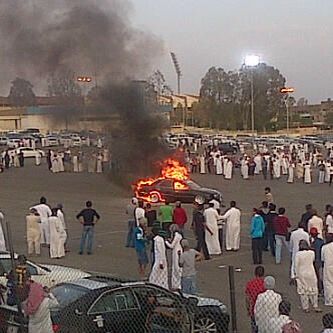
[[168, 301]]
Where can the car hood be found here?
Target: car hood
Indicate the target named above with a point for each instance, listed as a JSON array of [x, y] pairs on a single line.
[[62, 273], [209, 190], [206, 301]]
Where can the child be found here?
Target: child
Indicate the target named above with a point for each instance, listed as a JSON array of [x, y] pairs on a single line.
[[140, 248]]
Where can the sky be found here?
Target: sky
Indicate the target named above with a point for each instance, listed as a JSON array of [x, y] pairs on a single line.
[[295, 36]]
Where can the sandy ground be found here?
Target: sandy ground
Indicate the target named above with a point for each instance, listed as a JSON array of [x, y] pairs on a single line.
[[21, 188]]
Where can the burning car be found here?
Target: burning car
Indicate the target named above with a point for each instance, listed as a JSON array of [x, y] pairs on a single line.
[[173, 185]]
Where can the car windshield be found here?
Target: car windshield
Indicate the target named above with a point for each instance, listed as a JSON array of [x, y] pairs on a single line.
[[193, 185], [68, 293]]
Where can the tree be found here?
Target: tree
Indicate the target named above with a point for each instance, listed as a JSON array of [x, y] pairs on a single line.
[[302, 102], [157, 81], [227, 95], [63, 85], [21, 93]]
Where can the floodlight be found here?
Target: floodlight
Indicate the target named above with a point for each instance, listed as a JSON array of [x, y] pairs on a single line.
[[252, 60]]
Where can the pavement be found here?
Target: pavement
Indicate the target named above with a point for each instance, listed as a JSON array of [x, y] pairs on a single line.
[[21, 188]]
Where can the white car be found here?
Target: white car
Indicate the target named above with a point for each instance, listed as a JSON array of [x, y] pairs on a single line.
[[13, 143], [30, 152], [76, 141], [3, 141], [47, 275], [52, 141]]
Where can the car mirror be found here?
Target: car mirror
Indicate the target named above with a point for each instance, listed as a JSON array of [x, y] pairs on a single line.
[[78, 312]]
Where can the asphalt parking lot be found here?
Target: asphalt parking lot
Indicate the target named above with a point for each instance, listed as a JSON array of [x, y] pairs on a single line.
[[21, 188]]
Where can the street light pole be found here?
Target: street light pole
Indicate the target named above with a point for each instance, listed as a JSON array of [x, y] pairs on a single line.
[[287, 90], [252, 103], [251, 62], [287, 106]]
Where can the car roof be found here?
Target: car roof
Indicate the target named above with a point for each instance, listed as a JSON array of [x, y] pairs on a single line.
[[99, 282]]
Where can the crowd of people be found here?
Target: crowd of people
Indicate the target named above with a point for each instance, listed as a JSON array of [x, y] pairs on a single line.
[[78, 161], [164, 228], [294, 163], [309, 248], [47, 227]]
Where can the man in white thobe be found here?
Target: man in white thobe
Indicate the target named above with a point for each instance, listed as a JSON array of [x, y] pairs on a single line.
[[177, 250], [219, 170], [40, 321], [316, 222], [2, 236], [267, 306], [202, 164], [44, 212], [159, 272], [295, 238], [61, 216], [258, 167], [38, 158], [216, 204], [228, 169], [327, 258], [212, 234], [57, 236], [277, 323], [232, 220]]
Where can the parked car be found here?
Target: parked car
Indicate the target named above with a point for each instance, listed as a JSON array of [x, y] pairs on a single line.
[[76, 141], [104, 305], [13, 143], [30, 152], [47, 275], [3, 141], [228, 148], [186, 191], [65, 139], [52, 141]]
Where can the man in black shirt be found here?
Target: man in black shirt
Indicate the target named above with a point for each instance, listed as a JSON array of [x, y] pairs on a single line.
[[306, 217], [199, 227], [272, 215], [88, 217]]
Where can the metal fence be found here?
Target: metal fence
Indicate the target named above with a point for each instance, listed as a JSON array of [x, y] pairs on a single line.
[[103, 303]]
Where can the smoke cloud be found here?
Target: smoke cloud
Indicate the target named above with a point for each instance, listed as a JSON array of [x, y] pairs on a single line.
[[43, 38], [90, 37]]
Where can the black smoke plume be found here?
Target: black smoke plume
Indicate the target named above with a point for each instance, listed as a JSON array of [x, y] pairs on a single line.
[[90, 37], [136, 138], [40, 39]]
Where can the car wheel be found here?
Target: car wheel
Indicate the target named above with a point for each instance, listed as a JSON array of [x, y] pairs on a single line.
[[205, 325], [154, 197]]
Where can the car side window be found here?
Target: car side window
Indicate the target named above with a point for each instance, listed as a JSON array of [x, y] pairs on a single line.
[[113, 301], [165, 183], [32, 269], [5, 266]]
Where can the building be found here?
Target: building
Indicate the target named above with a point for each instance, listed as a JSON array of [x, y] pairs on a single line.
[[178, 108], [312, 114]]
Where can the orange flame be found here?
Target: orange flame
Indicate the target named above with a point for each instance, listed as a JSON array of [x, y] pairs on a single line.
[[170, 169]]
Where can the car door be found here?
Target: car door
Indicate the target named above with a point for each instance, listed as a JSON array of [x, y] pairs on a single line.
[[115, 311], [163, 311], [5, 268], [182, 191], [166, 188]]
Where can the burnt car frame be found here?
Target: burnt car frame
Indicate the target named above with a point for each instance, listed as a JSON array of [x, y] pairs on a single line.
[[171, 190]]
